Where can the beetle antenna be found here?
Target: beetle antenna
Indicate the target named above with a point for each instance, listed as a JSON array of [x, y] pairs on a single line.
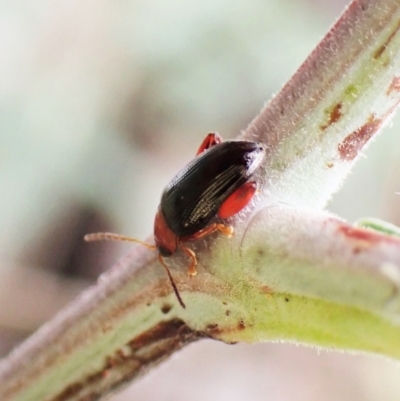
[[115, 237], [175, 288]]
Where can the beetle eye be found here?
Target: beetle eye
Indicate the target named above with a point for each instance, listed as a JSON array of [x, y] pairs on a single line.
[[164, 251]]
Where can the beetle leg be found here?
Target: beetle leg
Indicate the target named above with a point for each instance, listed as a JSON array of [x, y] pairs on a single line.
[[237, 200], [210, 140], [192, 271], [171, 280], [226, 230]]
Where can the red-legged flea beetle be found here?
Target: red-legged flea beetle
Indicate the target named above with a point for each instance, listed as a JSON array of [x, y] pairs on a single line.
[[216, 183]]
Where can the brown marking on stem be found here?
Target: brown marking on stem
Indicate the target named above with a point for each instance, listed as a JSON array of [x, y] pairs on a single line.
[[334, 116], [143, 351], [166, 308], [213, 329], [260, 252], [381, 49], [69, 392], [53, 358], [394, 86], [241, 325], [353, 143]]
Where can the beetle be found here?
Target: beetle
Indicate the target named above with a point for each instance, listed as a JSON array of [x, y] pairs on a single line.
[[215, 184]]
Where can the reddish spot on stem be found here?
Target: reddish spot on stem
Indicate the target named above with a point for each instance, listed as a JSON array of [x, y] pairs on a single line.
[[353, 143], [360, 234], [364, 239], [394, 86], [334, 116], [381, 49], [267, 290]]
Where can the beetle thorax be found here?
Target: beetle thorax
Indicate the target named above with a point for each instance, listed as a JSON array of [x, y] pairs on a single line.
[[166, 241]]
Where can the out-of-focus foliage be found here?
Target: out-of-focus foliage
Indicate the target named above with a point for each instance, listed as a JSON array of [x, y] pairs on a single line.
[[100, 103]]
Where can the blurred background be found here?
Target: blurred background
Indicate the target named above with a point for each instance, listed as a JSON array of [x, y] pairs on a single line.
[[101, 102]]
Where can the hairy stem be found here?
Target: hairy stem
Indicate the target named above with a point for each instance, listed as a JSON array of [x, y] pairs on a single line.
[[338, 99], [288, 274]]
